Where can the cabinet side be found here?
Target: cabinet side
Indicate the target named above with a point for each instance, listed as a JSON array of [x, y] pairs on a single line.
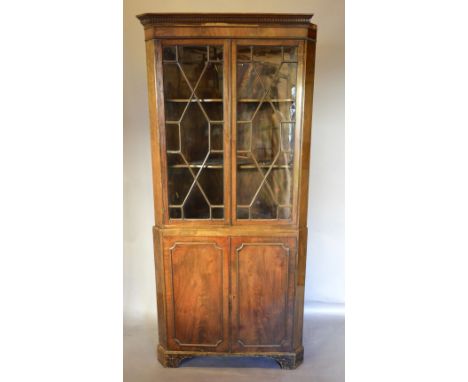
[[308, 86], [300, 289], [156, 168], [307, 125], [155, 139], [160, 287]]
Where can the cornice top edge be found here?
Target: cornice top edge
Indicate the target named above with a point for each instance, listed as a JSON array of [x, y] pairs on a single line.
[[228, 18]]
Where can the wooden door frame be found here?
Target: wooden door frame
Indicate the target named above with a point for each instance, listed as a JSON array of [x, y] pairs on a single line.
[[237, 244], [230, 131], [298, 129], [161, 127], [220, 243]]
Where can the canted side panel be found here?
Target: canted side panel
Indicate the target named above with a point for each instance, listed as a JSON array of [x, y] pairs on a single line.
[[160, 288], [300, 288], [262, 293], [306, 131], [154, 102], [196, 293]]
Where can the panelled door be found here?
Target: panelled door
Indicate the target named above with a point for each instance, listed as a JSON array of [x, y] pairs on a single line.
[[262, 293], [197, 292]]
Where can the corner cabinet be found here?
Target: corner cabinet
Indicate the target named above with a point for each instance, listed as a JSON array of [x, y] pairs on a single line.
[[230, 103]]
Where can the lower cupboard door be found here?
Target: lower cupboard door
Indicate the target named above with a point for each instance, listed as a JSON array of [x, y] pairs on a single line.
[[197, 293], [262, 283]]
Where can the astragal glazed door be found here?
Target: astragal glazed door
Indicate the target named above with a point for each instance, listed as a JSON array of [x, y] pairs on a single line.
[[240, 97]]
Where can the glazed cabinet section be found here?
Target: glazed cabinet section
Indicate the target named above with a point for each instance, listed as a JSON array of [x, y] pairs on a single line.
[[230, 294], [229, 130]]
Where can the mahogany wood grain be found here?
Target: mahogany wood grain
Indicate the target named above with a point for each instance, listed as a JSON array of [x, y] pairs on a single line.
[[228, 231], [262, 293], [154, 99], [284, 32], [300, 288], [197, 293], [160, 286], [307, 132]]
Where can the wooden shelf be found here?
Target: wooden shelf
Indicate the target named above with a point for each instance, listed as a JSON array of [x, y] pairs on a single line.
[[265, 100], [194, 100], [185, 100], [220, 165]]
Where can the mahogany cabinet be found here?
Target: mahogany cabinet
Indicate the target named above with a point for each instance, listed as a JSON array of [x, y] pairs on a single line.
[[230, 103]]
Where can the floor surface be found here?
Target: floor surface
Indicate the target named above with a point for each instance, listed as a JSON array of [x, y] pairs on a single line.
[[323, 356]]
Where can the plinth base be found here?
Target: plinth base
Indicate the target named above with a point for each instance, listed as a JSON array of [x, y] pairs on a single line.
[[173, 358]]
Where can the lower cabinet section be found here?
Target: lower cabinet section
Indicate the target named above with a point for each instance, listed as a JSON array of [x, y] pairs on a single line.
[[229, 294], [262, 292]]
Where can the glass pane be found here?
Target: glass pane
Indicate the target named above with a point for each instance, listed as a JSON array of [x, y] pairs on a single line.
[[211, 179], [264, 206], [217, 213], [179, 179], [174, 109], [174, 82], [211, 83], [267, 54], [194, 54], [193, 94], [169, 53], [244, 53], [266, 112], [194, 133], [284, 212], [249, 179], [290, 53], [175, 213], [217, 137], [285, 84], [242, 213], [249, 85], [243, 136], [286, 109], [213, 110], [172, 137], [196, 206], [265, 133], [287, 137], [216, 53]]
